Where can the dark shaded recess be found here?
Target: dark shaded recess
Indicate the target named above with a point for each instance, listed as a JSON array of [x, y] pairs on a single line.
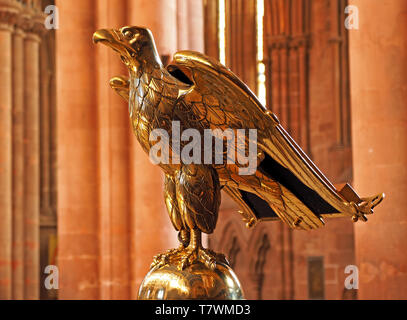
[[178, 74], [285, 177], [259, 207], [282, 175]]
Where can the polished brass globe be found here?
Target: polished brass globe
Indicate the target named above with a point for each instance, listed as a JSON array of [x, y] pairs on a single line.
[[194, 282]]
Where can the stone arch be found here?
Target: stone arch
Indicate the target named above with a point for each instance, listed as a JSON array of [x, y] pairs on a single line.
[[231, 243], [259, 247]]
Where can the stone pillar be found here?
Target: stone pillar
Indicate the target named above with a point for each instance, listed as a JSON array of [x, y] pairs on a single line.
[[31, 157], [378, 69], [114, 148], [190, 32], [8, 11], [18, 163], [152, 232], [45, 130], [182, 25], [78, 183], [196, 25]]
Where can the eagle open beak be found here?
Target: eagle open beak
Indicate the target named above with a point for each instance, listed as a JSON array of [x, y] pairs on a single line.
[[110, 37]]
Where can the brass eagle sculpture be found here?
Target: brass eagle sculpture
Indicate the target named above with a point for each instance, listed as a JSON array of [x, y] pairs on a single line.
[[201, 93]]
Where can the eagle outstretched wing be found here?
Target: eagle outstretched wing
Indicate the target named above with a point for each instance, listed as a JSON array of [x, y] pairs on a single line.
[[218, 99]]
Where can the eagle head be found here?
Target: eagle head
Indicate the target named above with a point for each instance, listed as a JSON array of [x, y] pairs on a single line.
[[135, 45]]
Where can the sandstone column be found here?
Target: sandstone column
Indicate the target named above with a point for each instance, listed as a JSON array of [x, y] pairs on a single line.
[[195, 25], [190, 24], [31, 156], [18, 163], [114, 156], [45, 131], [8, 12], [378, 69], [183, 42], [152, 232], [77, 151]]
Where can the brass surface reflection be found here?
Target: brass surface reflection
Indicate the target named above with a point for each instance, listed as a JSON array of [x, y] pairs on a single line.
[[196, 281]]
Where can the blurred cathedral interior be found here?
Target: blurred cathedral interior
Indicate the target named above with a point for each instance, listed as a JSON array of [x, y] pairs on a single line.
[[78, 192]]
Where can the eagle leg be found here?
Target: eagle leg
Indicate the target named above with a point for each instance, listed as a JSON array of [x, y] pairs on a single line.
[[198, 195], [170, 198], [192, 197], [196, 252]]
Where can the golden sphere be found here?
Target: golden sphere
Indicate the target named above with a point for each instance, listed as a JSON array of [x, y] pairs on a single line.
[[195, 282]]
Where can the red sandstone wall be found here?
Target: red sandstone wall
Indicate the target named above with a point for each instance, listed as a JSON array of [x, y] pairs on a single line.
[[379, 120]]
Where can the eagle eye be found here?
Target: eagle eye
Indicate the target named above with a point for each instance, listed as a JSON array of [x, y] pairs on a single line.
[[128, 34]]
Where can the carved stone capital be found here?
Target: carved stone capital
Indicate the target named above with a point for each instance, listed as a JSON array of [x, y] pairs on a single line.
[[32, 23], [9, 11]]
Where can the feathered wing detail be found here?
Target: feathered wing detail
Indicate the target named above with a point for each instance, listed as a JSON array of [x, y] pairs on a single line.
[[219, 100]]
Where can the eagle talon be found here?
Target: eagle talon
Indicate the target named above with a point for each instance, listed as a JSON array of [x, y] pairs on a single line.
[[189, 256], [206, 256], [165, 258], [222, 258], [159, 261]]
